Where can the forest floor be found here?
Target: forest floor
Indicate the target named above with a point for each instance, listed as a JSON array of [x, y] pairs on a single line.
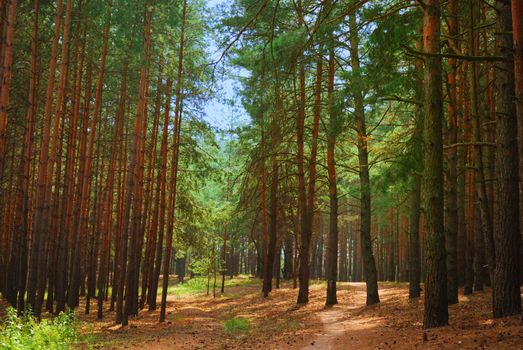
[[202, 322]]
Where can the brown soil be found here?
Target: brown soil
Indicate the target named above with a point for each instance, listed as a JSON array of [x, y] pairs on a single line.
[[197, 322]]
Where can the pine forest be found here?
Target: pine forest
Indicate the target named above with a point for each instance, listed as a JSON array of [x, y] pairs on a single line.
[[250, 174]]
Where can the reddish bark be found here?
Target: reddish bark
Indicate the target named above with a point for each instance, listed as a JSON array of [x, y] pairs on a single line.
[[174, 170]]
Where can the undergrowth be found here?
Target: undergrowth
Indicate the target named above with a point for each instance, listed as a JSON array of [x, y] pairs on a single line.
[[198, 285], [25, 332]]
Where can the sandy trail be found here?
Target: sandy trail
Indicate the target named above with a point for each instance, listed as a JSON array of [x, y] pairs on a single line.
[[337, 321]]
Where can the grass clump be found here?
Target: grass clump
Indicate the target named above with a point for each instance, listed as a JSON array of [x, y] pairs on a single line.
[[237, 325], [25, 332]]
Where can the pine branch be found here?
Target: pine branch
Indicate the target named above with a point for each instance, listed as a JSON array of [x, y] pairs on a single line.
[[417, 53]]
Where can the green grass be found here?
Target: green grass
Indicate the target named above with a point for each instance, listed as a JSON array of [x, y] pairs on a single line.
[[237, 325], [25, 332], [198, 285]]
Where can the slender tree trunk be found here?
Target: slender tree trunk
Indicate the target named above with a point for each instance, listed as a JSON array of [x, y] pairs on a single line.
[[308, 202], [272, 230], [134, 184], [68, 189], [451, 203], [369, 264], [223, 263], [120, 205], [161, 193], [151, 237], [305, 224], [81, 225], [332, 242], [485, 229], [265, 224], [178, 111], [17, 272], [107, 227], [462, 153], [414, 244], [39, 231], [414, 259]]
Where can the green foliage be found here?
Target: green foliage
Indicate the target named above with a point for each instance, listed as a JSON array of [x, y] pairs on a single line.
[[25, 332], [237, 325], [198, 285], [193, 286]]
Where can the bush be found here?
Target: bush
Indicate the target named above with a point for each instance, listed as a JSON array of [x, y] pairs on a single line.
[[25, 332], [237, 325]]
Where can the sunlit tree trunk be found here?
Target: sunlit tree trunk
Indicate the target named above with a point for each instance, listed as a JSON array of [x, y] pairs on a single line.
[[178, 112]]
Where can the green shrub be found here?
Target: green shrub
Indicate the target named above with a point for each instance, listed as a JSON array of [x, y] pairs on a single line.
[[237, 325], [25, 332]]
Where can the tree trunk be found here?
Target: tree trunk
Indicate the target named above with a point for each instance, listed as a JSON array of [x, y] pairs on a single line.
[[135, 182], [151, 237], [517, 32], [414, 259], [161, 194], [332, 242], [17, 272], [451, 206], [223, 265], [485, 228], [39, 231], [506, 293], [369, 264], [5, 86], [107, 227], [271, 246], [81, 225], [178, 112], [436, 311]]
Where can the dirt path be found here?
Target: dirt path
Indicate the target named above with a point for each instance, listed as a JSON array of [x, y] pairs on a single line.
[[396, 323], [197, 322], [336, 321]]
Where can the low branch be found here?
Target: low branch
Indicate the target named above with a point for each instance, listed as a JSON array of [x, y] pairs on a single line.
[[401, 99], [466, 144], [411, 51]]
